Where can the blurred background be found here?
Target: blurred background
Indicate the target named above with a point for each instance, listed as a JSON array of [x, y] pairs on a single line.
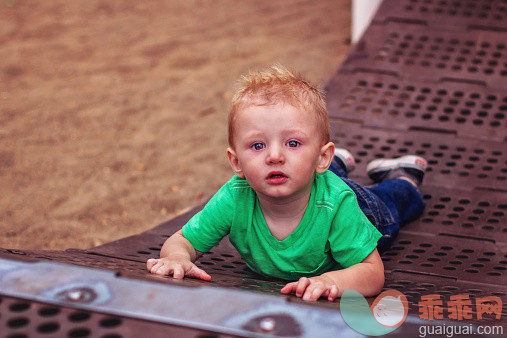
[[113, 114]]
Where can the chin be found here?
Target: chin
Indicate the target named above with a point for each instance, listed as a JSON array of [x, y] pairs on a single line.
[[276, 194]]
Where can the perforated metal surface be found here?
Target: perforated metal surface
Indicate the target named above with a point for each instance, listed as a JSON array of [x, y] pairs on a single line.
[[470, 111], [78, 257], [453, 162], [478, 214], [414, 286], [458, 14], [26, 318], [418, 53], [136, 248], [234, 312], [147, 244], [413, 282], [223, 262], [446, 256]]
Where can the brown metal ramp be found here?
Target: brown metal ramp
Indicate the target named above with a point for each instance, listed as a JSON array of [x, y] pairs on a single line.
[[428, 78]]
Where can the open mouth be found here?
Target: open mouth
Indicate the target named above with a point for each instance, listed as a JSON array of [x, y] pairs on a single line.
[[276, 177], [276, 174]]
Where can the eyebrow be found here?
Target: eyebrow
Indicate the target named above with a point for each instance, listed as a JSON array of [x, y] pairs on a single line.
[[251, 135], [294, 131], [257, 134]]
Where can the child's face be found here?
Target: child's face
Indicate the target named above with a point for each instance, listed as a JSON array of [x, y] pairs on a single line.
[[278, 149]]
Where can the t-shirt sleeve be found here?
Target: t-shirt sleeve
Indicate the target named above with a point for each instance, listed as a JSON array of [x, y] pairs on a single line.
[[352, 237], [206, 228]]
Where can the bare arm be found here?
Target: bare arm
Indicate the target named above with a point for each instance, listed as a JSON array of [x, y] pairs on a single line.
[[366, 277], [177, 258], [178, 245]]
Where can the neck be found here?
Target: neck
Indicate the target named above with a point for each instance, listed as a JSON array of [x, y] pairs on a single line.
[[285, 208], [283, 216]]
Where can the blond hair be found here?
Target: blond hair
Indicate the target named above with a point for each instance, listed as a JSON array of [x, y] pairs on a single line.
[[275, 85]]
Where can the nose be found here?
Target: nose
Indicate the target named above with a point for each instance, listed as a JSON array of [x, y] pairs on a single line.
[[275, 155]]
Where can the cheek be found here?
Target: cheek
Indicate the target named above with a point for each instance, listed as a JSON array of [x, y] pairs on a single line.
[[248, 164], [309, 161]]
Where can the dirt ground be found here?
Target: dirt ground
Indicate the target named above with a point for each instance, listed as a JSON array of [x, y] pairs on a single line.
[[113, 113]]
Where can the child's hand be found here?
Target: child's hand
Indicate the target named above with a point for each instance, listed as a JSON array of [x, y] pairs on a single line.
[[179, 268], [312, 288]]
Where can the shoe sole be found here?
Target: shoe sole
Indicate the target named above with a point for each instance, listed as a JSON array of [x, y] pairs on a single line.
[[407, 161]]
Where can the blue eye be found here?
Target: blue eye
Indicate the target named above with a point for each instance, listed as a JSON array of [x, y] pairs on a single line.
[[257, 146], [293, 144]]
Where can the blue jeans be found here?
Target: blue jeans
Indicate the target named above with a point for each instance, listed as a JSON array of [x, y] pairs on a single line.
[[386, 205]]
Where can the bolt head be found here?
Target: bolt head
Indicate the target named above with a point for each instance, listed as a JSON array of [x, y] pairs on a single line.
[[267, 324], [74, 295]]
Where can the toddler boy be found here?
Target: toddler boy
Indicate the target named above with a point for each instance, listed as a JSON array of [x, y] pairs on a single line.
[[288, 215]]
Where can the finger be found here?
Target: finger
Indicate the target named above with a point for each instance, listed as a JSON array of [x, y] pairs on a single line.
[[302, 285], [313, 293], [161, 269], [178, 272], [156, 267], [198, 273], [289, 287], [333, 293], [150, 263]]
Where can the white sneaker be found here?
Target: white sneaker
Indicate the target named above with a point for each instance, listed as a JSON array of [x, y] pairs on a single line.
[[345, 159], [410, 166]]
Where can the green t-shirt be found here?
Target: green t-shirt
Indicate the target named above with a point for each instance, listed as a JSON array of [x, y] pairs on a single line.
[[333, 234]]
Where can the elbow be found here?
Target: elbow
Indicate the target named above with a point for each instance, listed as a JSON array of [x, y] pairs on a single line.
[[375, 286], [379, 284], [380, 278], [377, 280]]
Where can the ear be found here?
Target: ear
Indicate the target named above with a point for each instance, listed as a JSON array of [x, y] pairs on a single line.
[[325, 158], [234, 162]]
